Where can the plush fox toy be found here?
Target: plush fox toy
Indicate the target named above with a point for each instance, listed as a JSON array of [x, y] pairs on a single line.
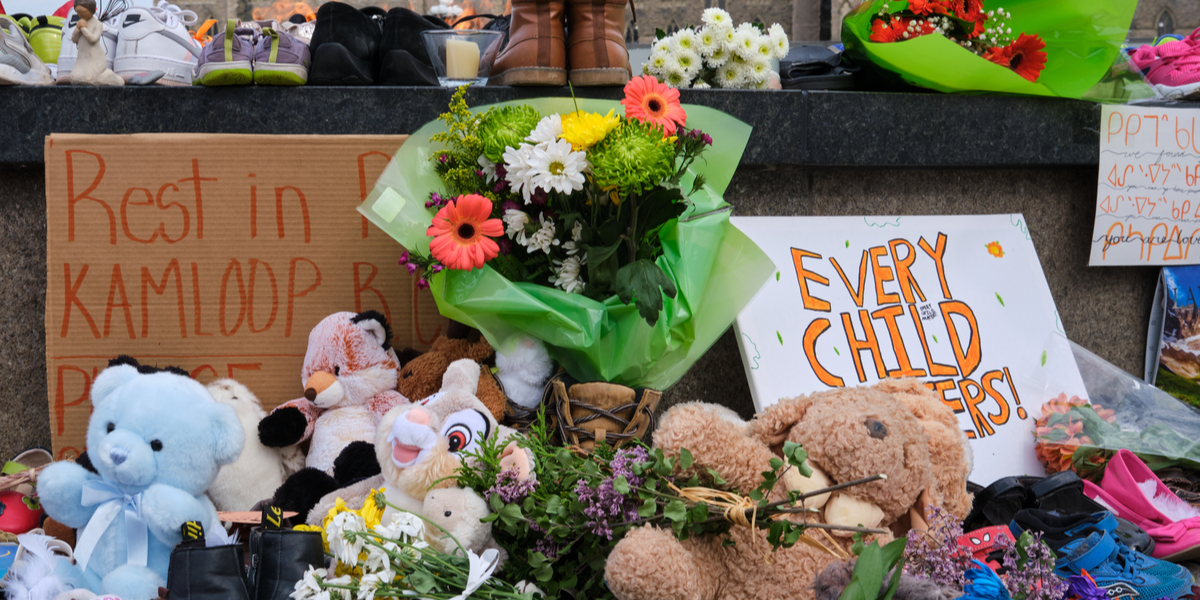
[[349, 376]]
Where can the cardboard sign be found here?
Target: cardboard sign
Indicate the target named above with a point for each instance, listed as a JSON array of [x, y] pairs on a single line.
[[959, 302], [215, 253], [1148, 195]]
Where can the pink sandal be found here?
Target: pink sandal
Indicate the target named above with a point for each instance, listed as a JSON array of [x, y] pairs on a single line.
[[1137, 495]]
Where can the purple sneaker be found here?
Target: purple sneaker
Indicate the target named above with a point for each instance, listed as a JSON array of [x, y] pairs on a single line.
[[280, 58], [229, 58]]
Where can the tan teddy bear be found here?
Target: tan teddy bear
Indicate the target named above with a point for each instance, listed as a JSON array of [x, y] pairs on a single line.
[[849, 433]]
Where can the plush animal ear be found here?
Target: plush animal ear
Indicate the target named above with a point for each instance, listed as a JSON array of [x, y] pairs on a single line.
[[480, 351], [121, 370], [462, 375], [772, 425], [226, 433], [375, 324]]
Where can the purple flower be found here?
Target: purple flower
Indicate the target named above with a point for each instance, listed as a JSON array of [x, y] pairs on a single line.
[[422, 284], [539, 197], [437, 199], [506, 246], [935, 555], [1036, 574], [545, 545], [442, 158], [500, 186], [1083, 588], [478, 173], [707, 139], [509, 488], [438, 268], [501, 172], [404, 257], [604, 505], [412, 268], [510, 205]]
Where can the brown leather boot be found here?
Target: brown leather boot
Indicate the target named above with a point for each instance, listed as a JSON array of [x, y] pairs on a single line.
[[596, 49], [536, 52]]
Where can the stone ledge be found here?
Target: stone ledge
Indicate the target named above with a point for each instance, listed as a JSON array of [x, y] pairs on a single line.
[[854, 129]]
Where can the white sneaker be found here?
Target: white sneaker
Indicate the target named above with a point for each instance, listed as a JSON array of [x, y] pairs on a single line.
[[18, 64], [70, 51], [157, 39]]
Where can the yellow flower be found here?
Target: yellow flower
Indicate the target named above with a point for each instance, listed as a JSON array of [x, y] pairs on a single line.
[[585, 130], [324, 540], [371, 512]]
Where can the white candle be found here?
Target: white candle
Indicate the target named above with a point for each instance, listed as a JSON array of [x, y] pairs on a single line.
[[462, 59]]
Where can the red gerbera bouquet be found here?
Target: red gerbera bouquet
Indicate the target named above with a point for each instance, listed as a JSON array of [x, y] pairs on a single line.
[[966, 22]]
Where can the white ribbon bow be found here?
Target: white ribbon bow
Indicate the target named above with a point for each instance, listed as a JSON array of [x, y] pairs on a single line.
[[112, 501], [482, 566]]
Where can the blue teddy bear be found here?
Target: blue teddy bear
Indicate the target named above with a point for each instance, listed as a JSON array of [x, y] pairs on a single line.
[[157, 439]]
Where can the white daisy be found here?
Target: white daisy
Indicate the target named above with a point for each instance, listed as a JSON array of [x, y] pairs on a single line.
[[727, 36], [346, 548], [779, 41], [757, 71], [567, 275], [547, 130], [716, 18], [543, 239], [690, 64], [684, 39], [555, 167], [676, 79], [367, 586], [763, 48], [645, 68], [747, 28], [743, 44], [340, 593], [517, 171], [707, 42], [309, 585], [701, 85], [514, 221], [719, 57], [488, 167], [729, 76]]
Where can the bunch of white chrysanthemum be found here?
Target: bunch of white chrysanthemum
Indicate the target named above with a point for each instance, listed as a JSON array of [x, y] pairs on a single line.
[[717, 54], [445, 8]]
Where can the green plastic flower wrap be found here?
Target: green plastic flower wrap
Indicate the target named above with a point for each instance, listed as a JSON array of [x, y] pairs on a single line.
[[715, 267], [1084, 57]]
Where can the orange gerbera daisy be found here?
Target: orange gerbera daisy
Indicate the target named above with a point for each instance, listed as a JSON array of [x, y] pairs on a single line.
[[1025, 56], [887, 31], [462, 233], [649, 101]]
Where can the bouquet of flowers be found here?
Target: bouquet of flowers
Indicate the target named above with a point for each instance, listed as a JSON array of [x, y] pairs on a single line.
[[717, 54], [374, 559], [1035, 47], [595, 227], [986, 33]]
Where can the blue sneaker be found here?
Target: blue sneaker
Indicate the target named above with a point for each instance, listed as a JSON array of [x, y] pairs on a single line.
[[1087, 542]]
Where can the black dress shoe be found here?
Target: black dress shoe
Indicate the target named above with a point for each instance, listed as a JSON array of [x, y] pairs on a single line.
[[279, 557], [403, 59], [199, 572], [345, 45]]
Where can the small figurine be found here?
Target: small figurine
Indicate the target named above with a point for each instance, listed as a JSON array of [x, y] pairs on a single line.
[[91, 66]]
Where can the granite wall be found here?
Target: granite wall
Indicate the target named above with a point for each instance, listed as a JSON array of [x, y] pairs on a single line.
[[1105, 310]]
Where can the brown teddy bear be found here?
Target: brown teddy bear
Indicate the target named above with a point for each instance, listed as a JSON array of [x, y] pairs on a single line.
[[421, 373], [849, 433]]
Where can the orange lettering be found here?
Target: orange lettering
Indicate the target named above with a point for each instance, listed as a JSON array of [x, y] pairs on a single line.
[[160, 289], [279, 210], [868, 343], [202, 368], [889, 314], [359, 288], [862, 278], [291, 293], [187, 220], [814, 331], [989, 383], [116, 286], [904, 277], [967, 360], [973, 400], [233, 264], [196, 179], [71, 294], [196, 301], [72, 198], [804, 276], [881, 274], [254, 262], [943, 386], [125, 204], [938, 254], [935, 369], [60, 403], [362, 182], [243, 367]]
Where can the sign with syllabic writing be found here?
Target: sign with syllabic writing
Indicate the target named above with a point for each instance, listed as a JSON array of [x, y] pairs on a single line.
[[1148, 195], [957, 301], [214, 253]]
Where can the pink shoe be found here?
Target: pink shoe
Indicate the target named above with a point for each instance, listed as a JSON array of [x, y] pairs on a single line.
[[1172, 68], [1173, 523], [1105, 499]]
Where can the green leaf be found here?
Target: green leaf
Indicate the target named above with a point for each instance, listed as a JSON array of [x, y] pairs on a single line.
[[510, 514], [621, 486], [716, 477], [421, 581], [659, 34], [727, 543], [648, 508], [699, 512], [1043, 358], [641, 280], [685, 459], [775, 463], [602, 262], [544, 572], [699, 183], [797, 456], [779, 336], [496, 503], [675, 510], [775, 533], [1000, 299], [554, 505]]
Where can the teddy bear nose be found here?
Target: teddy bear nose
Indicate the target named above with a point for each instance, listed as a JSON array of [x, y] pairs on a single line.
[[118, 455], [310, 394], [876, 429], [418, 416]]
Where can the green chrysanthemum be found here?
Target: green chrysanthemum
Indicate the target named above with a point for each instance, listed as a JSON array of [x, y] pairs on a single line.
[[507, 126], [632, 159]]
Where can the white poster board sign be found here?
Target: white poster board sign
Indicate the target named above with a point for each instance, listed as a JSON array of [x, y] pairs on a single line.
[[957, 301], [1148, 193]]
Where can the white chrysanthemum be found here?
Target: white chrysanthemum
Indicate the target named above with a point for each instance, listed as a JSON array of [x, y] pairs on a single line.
[[544, 238], [743, 44], [567, 275], [577, 231], [690, 64], [514, 222], [779, 41], [517, 171], [729, 76], [684, 39], [763, 48], [757, 71], [547, 130], [368, 584], [645, 69], [346, 548], [340, 593], [707, 42], [555, 166], [716, 18], [747, 28], [701, 85], [405, 523], [676, 79], [378, 560], [309, 585], [488, 167], [719, 57], [727, 36]]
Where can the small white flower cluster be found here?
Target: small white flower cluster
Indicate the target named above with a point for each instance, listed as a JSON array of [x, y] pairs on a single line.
[[717, 54], [378, 569], [999, 33], [445, 8], [568, 273]]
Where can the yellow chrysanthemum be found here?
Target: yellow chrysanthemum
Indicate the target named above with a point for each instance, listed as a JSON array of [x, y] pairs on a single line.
[[371, 512], [321, 530], [585, 130]]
